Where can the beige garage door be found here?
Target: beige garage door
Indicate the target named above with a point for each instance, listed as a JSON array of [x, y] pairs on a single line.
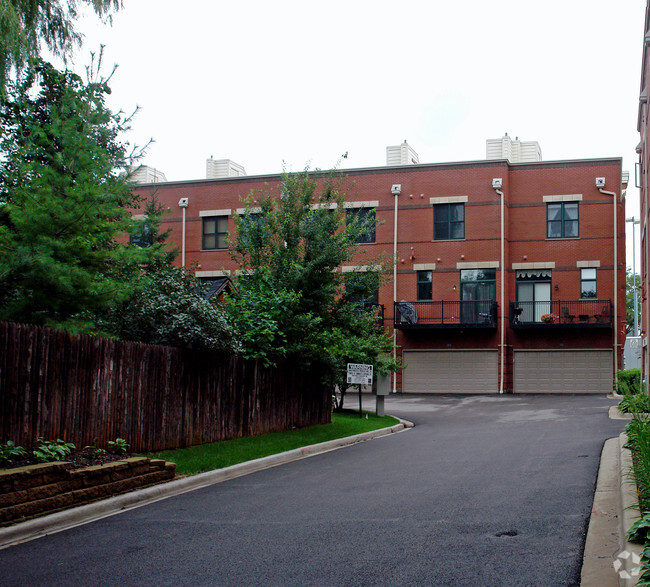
[[563, 371], [450, 372]]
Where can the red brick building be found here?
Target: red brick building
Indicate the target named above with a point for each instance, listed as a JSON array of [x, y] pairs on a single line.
[[508, 277], [643, 149]]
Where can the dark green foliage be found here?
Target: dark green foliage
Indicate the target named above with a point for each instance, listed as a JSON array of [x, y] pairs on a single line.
[[119, 446], [167, 307], [145, 234], [24, 24], [635, 404], [62, 203], [629, 381], [10, 451], [294, 299], [47, 451], [630, 282]]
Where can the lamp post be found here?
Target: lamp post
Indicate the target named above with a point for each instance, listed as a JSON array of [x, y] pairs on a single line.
[[634, 286]]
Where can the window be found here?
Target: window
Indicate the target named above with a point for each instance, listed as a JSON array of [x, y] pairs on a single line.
[[425, 286], [142, 236], [588, 283], [562, 220], [533, 294], [215, 232], [478, 291], [448, 221], [365, 221]]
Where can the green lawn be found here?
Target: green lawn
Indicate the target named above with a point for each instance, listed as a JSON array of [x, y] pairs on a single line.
[[206, 457]]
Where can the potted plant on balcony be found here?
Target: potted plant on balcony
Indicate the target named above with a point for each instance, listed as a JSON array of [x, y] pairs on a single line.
[[549, 318]]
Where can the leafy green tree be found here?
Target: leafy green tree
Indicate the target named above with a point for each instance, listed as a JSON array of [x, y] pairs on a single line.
[[293, 299], [25, 24], [632, 281], [62, 202], [167, 307]]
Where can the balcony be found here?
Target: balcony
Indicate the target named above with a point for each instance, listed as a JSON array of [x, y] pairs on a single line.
[[559, 314], [444, 314]]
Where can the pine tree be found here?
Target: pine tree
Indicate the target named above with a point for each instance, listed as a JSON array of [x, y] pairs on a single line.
[[63, 204]]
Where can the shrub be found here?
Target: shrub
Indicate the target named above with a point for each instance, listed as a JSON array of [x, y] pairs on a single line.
[[47, 451], [635, 404], [629, 381], [10, 452], [119, 446]]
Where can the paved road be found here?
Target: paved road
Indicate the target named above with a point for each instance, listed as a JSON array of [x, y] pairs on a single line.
[[483, 491]]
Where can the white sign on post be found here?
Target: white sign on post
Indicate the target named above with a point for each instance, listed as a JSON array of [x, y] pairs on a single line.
[[359, 373]]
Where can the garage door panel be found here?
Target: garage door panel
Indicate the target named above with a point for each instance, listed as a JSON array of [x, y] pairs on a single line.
[[580, 371], [450, 372]]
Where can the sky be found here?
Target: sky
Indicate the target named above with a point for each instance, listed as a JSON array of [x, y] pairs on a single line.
[[290, 84]]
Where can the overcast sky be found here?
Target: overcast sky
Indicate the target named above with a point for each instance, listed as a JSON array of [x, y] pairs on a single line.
[[302, 82]]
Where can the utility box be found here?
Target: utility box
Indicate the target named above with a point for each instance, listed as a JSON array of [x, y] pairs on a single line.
[[383, 384]]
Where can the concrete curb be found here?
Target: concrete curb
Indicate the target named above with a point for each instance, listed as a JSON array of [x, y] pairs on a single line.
[[614, 510], [629, 514], [66, 519]]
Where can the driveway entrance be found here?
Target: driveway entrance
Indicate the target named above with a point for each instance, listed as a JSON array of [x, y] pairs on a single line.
[[485, 490]]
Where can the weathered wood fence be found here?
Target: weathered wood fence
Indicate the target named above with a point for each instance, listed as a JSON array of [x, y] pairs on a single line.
[[81, 388]]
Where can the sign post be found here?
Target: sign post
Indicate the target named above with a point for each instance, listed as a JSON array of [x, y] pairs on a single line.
[[359, 374]]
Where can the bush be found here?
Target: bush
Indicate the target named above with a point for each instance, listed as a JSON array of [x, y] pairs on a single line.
[[47, 451], [629, 381], [635, 404]]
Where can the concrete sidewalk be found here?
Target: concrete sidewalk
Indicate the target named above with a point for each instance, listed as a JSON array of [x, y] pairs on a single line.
[[70, 518]]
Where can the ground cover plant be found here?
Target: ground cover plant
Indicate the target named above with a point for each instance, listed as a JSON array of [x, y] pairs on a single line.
[[48, 451], [217, 455], [638, 433]]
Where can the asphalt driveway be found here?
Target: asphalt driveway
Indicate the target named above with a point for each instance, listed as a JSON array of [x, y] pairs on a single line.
[[485, 490]]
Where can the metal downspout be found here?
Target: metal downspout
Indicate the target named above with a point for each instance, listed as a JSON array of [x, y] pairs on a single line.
[[614, 200], [502, 302], [396, 194]]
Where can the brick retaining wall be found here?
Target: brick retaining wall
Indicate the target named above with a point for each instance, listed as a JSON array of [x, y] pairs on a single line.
[[35, 490]]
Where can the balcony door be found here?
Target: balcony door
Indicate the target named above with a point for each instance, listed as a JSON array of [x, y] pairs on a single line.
[[534, 293], [478, 289]]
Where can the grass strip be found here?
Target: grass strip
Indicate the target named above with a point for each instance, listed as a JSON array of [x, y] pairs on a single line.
[[217, 455]]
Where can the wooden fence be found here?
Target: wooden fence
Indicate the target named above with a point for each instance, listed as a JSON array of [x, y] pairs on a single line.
[[81, 388]]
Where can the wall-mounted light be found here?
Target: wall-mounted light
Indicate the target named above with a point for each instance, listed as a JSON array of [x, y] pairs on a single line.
[[462, 256], [438, 259], [454, 287], [557, 286], [525, 257]]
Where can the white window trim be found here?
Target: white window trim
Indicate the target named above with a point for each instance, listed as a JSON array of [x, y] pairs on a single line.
[[369, 204], [220, 273], [588, 264], [360, 268], [330, 206], [226, 212], [139, 216], [563, 198], [547, 265], [478, 265], [255, 210], [424, 267], [449, 200]]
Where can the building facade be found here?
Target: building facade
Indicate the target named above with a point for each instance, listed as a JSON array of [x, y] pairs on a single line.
[[643, 150], [507, 276]]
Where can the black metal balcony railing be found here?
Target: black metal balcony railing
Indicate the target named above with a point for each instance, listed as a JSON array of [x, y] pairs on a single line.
[[574, 313], [446, 314]]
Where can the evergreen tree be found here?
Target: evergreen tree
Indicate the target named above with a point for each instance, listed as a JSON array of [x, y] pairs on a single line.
[[62, 201]]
